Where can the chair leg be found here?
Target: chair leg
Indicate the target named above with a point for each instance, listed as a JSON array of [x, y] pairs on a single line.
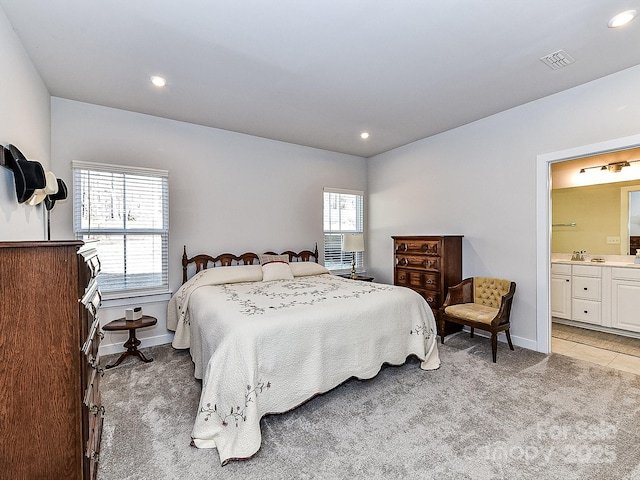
[[494, 345], [509, 338], [471, 328], [441, 328]]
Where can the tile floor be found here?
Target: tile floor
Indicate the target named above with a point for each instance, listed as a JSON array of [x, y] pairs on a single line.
[[601, 356]]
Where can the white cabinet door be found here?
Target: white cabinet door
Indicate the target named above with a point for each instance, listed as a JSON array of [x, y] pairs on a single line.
[[625, 299], [561, 296]]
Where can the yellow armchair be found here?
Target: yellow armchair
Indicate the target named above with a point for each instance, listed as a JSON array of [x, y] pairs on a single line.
[[479, 302]]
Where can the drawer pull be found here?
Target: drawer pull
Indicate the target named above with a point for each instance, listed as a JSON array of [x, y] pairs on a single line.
[[403, 262], [96, 410], [567, 280], [402, 247], [585, 289], [429, 282], [93, 362], [586, 311]]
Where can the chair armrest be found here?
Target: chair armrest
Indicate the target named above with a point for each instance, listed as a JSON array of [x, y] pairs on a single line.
[[505, 306], [461, 293]]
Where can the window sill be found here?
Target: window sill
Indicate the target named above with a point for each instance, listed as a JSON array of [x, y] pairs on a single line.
[[124, 298]]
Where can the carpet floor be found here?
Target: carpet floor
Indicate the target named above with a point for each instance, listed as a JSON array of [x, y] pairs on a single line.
[[528, 416]]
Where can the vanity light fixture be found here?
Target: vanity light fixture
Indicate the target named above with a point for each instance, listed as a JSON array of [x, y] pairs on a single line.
[[622, 18], [364, 135], [614, 167], [158, 81]]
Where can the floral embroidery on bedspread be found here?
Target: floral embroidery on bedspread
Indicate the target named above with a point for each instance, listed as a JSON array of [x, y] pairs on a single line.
[[236, 413], [422, 329], [279, 295]]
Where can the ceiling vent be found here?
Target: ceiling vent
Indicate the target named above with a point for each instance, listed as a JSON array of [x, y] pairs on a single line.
[[557, 60]]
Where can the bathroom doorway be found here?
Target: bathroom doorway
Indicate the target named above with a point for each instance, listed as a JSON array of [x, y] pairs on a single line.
[[543, 223], [591, 212]]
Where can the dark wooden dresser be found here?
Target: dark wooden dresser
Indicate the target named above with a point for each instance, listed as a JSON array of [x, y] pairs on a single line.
[[50, 410], [429, 265]]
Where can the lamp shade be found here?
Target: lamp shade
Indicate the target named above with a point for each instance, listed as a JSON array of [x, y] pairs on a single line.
[[353, 242]]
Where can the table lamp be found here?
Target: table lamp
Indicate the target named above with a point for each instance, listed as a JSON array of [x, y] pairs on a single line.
[[353, 242]]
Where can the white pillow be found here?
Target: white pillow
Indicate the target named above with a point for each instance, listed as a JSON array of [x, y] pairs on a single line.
[[276, 271], [303, 269], [266, 258], [230, 274]]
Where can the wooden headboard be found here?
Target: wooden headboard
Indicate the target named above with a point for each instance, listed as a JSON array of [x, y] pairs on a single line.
[[203, 261]]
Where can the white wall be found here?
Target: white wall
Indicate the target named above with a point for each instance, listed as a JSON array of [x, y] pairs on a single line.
[[228, 192], [24, 122], [479, 180]]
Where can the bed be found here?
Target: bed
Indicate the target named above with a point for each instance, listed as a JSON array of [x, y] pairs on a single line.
[[268, 332]]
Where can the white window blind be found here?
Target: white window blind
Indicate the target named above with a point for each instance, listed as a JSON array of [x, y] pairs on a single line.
[[343, 213], [127, 210]]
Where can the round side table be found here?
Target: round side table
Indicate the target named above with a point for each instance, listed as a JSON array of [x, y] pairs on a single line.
[[132, 343]]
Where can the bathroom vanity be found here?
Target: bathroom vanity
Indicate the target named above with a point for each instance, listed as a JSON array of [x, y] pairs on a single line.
[[605, 295]]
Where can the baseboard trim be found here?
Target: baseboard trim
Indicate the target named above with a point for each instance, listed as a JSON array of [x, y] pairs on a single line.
[[113, 348], [519, 341]]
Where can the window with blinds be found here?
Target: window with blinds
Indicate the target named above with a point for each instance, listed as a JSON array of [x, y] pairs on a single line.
[[343, 213], [127, 210]]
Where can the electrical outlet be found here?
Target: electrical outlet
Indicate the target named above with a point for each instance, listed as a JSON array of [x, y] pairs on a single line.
[[613, 240]]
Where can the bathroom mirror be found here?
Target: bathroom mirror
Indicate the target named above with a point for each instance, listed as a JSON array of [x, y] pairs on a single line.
[[597, 210]]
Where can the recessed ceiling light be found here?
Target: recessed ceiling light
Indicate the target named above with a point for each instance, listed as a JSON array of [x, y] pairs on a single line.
[[364, 135], [622, 18], [158, 81]]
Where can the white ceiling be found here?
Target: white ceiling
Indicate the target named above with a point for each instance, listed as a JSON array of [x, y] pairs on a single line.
[[318, 73]]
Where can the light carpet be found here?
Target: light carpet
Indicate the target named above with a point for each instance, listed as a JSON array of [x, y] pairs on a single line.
[[528, 416]]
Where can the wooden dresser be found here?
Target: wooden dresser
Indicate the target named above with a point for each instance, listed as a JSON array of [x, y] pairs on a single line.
[[50, 410], [429, 265]]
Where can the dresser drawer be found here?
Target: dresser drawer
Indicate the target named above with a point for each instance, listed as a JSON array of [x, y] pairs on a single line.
[[586, 311], [92, 342], [93, 454], [92, 447], [89, 254], [92, 298], [431, 247], [95, 410], [419, 262], [587, 288], [417, 279], [432, 297]]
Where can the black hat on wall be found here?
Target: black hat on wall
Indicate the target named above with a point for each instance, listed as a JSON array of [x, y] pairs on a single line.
[[61, 194], [28, 175]]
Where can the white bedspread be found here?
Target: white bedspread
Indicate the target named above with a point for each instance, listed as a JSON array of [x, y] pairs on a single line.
[[266, 347]]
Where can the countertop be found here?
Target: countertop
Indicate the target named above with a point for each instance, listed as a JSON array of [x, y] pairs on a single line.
[[598, 264]]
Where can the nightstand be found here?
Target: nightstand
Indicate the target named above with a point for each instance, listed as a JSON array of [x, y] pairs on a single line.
[[363, 278], [132, 343]]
